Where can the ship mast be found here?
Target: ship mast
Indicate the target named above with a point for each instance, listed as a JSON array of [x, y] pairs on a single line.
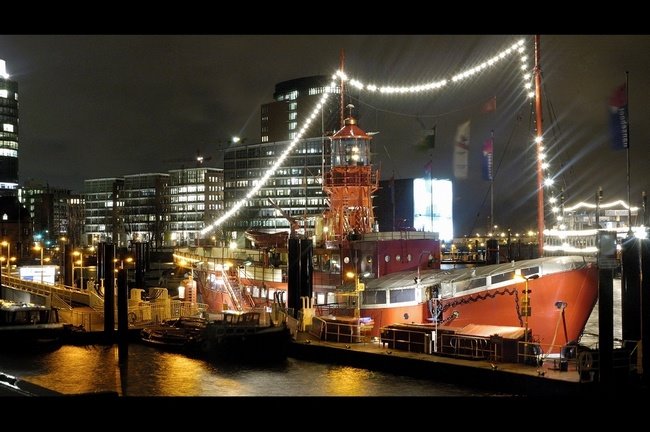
[[539, 142], [342, 85]]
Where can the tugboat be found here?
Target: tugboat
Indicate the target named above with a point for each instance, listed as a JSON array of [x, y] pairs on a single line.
[[235, 336]]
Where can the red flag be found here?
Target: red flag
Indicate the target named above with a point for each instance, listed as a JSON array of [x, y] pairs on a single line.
[[489, 106], [427, 169]]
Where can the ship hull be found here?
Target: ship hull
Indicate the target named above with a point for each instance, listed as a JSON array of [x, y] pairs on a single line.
[[577, 289], [560, 305]]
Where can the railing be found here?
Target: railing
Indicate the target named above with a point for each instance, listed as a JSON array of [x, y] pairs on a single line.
[[144, 313], [58, 302], [64, 293], [231, 291], [337, 331], [404, 339]]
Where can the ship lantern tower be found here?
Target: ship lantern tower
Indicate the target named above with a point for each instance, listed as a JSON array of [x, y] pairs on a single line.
[[350, 183]]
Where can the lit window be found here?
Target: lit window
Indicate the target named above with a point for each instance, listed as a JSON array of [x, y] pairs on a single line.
[[293, 106], [292, 135], [265, 138], [292, 115], [8, 127], [293, 125], [4, 93]]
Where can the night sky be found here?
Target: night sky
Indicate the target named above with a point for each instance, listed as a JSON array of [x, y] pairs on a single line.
[[106, 106]]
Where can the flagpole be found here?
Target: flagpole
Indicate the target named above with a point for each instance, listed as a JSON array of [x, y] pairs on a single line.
[[627, 152], [492, 185], [538, 140]]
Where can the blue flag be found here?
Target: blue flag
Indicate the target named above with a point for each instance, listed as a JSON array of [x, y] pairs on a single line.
[[618, 117], [488, 146]]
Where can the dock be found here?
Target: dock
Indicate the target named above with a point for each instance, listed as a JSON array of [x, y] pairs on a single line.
[[509, 379]]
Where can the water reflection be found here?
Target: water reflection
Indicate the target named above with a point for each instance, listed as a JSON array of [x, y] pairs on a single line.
[[74, 370]]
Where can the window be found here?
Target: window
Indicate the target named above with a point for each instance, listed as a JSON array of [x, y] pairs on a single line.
[[8, 127], [292, 115], [293, 125], [4, 93]]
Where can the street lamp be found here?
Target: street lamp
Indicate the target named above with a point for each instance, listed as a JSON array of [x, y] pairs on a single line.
[[38, 247], [6, 243], [81, 266]]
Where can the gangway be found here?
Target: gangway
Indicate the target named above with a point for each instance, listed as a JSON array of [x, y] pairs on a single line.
[[60, 296]]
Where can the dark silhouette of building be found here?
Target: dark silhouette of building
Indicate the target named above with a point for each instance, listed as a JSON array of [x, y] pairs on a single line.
[[8, 133], [394, 205], [294, 101]]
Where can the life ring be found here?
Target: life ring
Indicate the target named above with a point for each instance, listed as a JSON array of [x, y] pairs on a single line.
[[585, 361]]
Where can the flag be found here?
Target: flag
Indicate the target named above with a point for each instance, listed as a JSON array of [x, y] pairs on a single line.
[[427, 170], [489, 106], [428, 141], [618, 117], [461, 148], [488, 147]]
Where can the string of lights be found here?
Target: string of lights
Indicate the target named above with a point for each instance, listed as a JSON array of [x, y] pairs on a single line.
[[517, 48]]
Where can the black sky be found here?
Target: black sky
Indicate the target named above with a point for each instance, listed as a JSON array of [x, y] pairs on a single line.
[[105, 106]]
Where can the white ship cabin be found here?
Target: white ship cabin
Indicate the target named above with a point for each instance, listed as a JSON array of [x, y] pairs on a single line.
[[403, 288]]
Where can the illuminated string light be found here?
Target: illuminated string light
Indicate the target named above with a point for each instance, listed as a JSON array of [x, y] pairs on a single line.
[[602, 206], [516, 48], [271, 171]]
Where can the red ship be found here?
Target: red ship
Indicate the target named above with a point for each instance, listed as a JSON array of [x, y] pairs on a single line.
[[549, 299]]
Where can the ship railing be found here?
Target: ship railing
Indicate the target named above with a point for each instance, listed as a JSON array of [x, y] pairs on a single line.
[[336, 309], [405, 340], [467, 346], [337, 331]]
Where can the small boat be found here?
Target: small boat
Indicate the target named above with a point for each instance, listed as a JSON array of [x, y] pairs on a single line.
[[241, 336], [28, 326], [179, 334], [237, 335]]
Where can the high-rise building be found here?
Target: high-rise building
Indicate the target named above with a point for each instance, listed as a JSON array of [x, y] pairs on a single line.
[[103, 211], [48, 209], [145, 207], [8, 133], [293, 102], [195, 201], [296, 187]]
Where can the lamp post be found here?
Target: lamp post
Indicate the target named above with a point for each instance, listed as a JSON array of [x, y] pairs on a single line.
[[38, 247], [81, 266], [6, 243]]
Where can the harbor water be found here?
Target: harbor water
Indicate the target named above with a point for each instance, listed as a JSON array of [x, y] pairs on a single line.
[[149, 372]]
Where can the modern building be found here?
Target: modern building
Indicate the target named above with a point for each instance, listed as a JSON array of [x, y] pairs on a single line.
[[166, 209], [293, 101], [296, 187], [8, 133], [103, 211], [145, 207], [195, 200], [48, 210]]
